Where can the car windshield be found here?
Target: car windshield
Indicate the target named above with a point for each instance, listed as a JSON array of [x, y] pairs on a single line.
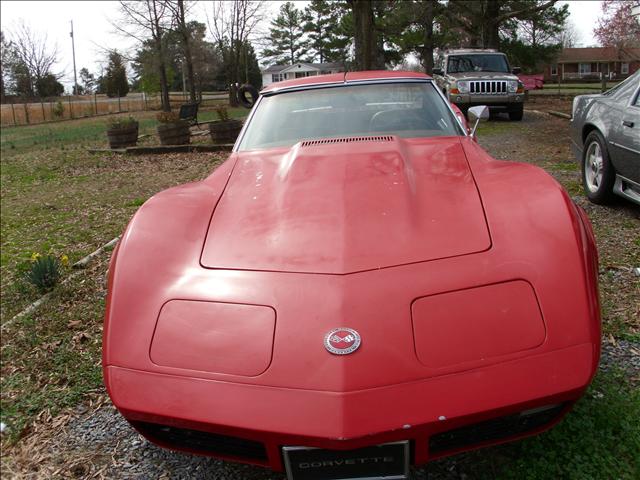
[[477, 63], [405, 109]]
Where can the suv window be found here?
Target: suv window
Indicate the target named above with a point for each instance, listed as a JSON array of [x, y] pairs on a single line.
[[477, 63]]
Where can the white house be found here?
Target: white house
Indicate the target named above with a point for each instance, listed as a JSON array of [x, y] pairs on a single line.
[[277, 73]]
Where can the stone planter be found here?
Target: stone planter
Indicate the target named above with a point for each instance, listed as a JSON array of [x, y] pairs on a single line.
[[176, 133], [123, 137], [225, 131]]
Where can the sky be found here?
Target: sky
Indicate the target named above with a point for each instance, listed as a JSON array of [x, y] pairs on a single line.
[[94, 33]]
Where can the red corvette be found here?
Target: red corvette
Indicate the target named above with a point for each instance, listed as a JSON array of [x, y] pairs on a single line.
[[358, 288]]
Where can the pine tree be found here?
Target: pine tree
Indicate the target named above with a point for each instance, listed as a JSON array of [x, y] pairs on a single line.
[[286, 36], [327, 29], [116, 76]]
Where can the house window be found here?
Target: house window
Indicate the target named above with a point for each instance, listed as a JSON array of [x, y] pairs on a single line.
[[554, 70], [624, 69], [277, 77], [584, 68]]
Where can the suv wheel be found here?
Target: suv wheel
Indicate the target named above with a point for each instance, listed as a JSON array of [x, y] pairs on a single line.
[[598, 174], [517, 114]]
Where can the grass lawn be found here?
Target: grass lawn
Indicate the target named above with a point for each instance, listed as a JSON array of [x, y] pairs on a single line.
[[58, 198], [81, 133]]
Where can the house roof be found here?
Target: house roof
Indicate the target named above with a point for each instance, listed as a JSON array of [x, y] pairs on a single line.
[[316, 66], [599, 54]]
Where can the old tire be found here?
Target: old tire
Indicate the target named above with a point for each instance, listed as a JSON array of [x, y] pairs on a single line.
[[122, 137], [598, 175], [247, 102], [177, 133], [517, 113], [225, 131]]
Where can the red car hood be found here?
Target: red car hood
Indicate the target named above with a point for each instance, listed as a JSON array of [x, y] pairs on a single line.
[[339, 208]]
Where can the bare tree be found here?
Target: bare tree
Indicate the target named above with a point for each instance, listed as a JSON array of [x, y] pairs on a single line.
[[569, 37], [179, 11], [34, 52], [143, 21], [231, 24]]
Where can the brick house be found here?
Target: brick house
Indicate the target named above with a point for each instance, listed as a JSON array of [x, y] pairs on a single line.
[[591, 63]]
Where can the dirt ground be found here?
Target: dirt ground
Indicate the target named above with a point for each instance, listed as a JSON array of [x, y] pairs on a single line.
[[93, 441]]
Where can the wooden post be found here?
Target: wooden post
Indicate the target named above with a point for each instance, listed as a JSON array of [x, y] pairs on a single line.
[[144, 98], [70, 106], [603, 86], [13, 111], [119, 102], [26, 113], [44, 117], [95, 101]]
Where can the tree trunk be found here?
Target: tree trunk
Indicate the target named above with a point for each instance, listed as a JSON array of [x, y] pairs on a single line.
[[364, 34], [427, 52], [235, 75], [491, 25], [187, 51], [162, 70]]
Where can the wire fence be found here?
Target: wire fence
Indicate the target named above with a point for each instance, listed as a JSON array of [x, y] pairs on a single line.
[[84, 106]]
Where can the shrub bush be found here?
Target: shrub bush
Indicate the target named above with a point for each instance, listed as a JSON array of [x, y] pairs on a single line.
[[44, 272]]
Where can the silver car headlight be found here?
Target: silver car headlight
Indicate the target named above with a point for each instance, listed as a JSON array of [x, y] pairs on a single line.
[[512, 86], [463, 86], [574, 106]]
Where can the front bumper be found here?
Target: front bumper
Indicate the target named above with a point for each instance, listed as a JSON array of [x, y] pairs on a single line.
[[494, 102], [271, 417]]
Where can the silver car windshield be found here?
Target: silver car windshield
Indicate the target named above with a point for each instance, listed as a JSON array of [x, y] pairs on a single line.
[[405, 109], [477, 63]]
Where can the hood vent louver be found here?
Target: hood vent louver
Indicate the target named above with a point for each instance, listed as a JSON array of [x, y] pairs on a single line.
[[325, 141]]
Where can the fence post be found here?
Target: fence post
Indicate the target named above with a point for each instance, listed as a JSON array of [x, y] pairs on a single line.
[[70, 106], [26, 113], [144, 97], [44, 117], [95, 101], [119, 110], [13, 111]]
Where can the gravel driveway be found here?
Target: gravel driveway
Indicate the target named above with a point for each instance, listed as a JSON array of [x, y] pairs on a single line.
[[98, 443]]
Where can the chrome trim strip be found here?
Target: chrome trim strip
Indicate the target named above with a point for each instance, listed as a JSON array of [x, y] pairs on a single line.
[[236, 145], [624, 147], [308, 86]]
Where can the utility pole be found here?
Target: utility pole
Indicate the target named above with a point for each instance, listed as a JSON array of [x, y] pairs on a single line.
[[73, 50]]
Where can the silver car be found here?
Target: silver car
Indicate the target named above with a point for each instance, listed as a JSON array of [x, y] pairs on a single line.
[[605, 136]]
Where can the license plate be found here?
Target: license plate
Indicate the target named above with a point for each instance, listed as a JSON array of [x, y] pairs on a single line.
[[389, 461]]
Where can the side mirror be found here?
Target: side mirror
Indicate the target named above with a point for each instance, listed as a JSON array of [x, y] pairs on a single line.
[[437, 71], [516, 70], [481, 112]]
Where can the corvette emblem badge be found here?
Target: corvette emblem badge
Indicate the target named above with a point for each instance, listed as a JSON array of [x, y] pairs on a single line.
[[342, 341]]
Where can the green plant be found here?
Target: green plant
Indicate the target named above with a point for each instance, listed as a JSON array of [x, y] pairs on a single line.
[[121, 123], [58, 110], [167, 117], [223, 113], [44, 272]]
